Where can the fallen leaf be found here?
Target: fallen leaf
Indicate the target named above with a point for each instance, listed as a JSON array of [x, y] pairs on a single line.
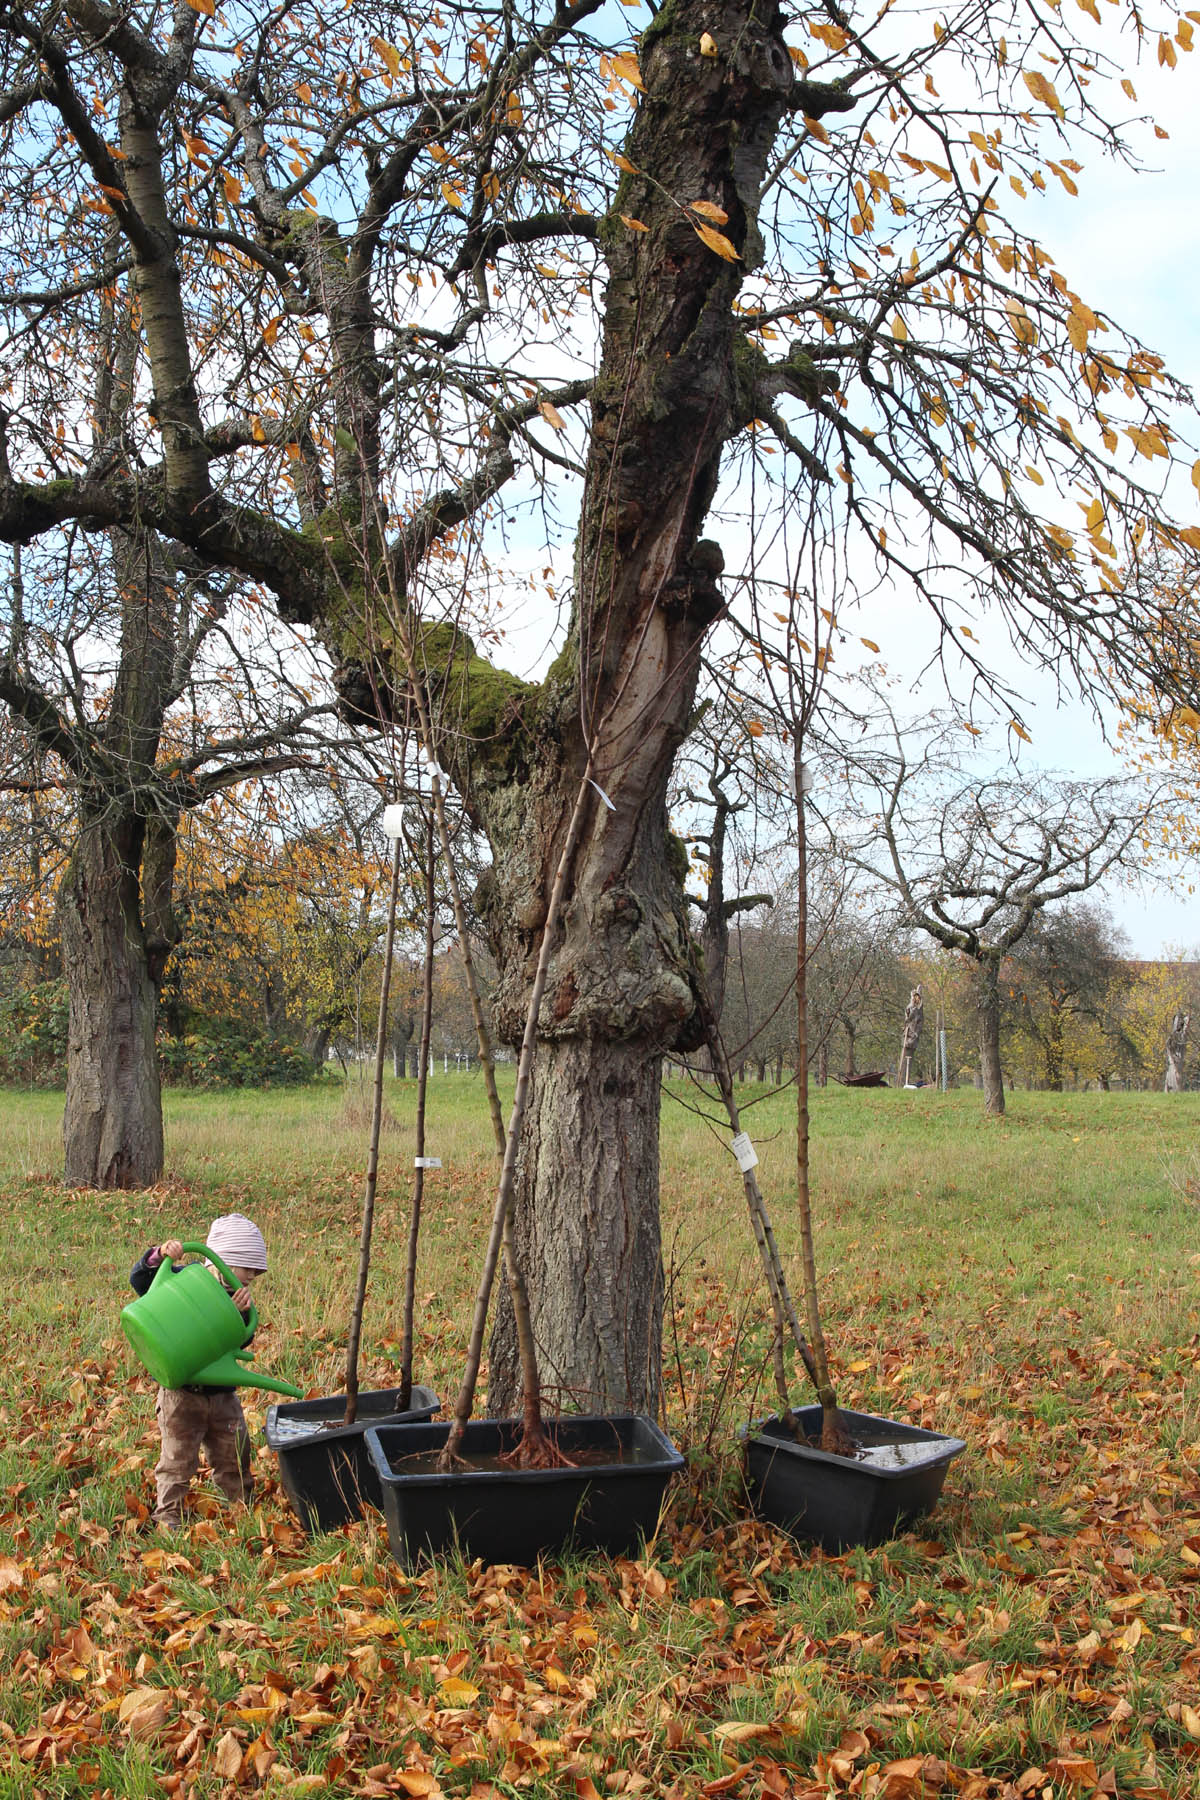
[[227, 1756], [1074, 1771], [142, 1711], [456, 1692]]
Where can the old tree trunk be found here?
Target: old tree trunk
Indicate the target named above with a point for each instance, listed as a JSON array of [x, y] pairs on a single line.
[[622, 986], [988, 1003], [112, 1123]]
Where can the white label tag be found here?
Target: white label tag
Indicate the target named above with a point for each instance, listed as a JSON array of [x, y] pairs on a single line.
[[427, 1162], [743, 1149]]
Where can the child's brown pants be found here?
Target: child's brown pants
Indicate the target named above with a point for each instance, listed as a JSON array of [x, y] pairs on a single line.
[[188, 1422]]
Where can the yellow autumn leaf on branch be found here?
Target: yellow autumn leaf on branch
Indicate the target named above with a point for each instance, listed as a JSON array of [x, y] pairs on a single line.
[[551, 415], [1147, 440], [1042, 88], [633, 224], [1081, 320], [1020, 731], [1024, 329], [718, 242], [626, 66], [708, 209], [388, 52]]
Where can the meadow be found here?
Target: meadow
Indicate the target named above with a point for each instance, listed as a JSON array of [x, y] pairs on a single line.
[[1030, 1285]]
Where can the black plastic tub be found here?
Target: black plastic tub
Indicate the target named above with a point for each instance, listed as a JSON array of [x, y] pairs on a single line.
[[323, 1465], [842, 1500], [516, 1515]]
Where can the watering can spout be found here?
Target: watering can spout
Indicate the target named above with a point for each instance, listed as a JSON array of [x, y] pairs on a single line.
[[230, 1371]]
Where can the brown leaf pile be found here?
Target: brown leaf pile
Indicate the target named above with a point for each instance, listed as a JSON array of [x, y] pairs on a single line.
[[1035, 1639]]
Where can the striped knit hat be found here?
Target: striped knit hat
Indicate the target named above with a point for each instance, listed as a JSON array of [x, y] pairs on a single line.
[[239, 1241]]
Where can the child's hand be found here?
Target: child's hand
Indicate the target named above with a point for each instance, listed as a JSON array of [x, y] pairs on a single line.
[[171, 1249], [241, 1299]]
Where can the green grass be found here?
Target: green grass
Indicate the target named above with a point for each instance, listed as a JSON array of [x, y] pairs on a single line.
[[1031, 1285]]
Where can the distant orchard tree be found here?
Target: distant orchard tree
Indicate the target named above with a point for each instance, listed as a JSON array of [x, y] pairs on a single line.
[[975, 859]]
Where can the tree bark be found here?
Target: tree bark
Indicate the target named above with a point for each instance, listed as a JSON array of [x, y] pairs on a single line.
[[112, 1125], [1052, 1052], [587, 1221], [991, 1074]]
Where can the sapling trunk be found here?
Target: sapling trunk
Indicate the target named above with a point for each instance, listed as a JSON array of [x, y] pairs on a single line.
[[414, 1224], [833, 1437], [372, 1177], [504, 1194], [782, 1307]]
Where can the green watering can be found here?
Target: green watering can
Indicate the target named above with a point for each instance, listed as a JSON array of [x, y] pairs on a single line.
[[187, 1331]]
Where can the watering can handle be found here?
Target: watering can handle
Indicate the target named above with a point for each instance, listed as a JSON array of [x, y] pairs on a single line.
[[212, 1257]]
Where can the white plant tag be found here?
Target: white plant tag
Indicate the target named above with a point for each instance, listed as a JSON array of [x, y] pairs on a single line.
[[743, 1149], [427, 1162], [602, 795]]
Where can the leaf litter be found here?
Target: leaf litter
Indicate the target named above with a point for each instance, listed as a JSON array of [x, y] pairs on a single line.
[[1036, 1635]]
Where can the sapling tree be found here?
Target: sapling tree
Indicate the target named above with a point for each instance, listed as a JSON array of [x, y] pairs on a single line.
[[396, 272]]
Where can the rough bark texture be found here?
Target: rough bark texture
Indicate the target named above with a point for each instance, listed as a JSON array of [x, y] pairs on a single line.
[[991, 1074], [588, 1180], [112, 1126]]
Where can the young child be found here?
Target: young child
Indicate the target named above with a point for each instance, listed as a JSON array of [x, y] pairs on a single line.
[[197, 1417]]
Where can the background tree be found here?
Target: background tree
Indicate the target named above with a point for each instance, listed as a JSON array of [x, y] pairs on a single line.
[[118, 676], [1069, 973], [350, 284], [974, 860]]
